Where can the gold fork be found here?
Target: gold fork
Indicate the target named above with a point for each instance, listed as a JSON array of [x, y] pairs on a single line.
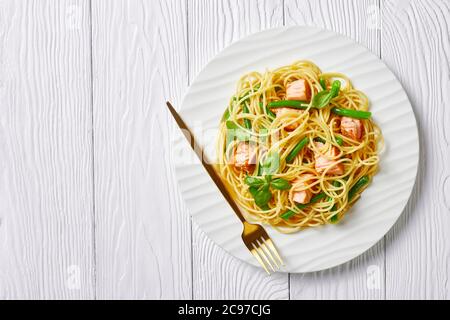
[[254, 236]]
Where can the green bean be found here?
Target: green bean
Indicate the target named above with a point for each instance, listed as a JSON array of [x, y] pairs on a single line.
[[268, 111], [246, 98], [334, 218], [288, 214], [297, 149], [247, 94], [300, 206], [339, 140], [314, 199], [322, 83], [247, 122], [263, 134], [226, 115], [357, 186], [351, 113], [335, 184], [319, 139], [296, 104]]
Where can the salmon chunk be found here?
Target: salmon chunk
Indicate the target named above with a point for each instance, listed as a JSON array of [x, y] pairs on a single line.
[[244, 157], [281, 111], [325, 161], [298, 90], [303, 196], [352, 128]]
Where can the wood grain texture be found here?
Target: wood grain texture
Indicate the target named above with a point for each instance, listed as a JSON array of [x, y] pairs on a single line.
[[75, 152], [143, 237], [416, 46], [363, 277], [46, 215], [212, 25]]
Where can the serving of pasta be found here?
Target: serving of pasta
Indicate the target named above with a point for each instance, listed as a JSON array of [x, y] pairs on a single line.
[[297, 146]]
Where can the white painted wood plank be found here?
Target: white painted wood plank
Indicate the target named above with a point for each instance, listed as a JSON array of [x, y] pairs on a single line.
[[363, 277], [416, 46], [212, 26], [143, 236], [46, 215]]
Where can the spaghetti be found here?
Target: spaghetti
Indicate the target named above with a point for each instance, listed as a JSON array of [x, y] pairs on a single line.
[[297, 146]]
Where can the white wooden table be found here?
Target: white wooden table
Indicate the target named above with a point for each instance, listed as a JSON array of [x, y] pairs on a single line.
[[89, 205]]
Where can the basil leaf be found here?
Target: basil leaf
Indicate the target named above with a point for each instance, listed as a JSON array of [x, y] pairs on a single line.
[[280, 184], [231, 125], [271, 164], [234, 131], [336, 86], [262, 195], [226, 114], [322, 99], [264, 134], [253, 181]]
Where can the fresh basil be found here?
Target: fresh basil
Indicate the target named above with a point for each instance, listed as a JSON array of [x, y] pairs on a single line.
[[262, 195], [253, 181], [260, 186], [226, 114], [323, 98], [234, 131], [231, 125], [335, 88], [280, 184], [271, 164]]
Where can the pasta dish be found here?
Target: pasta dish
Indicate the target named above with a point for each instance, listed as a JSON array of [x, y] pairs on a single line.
[[297, 146]]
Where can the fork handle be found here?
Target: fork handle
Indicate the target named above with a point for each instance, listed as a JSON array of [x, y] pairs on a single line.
[[206, 164]]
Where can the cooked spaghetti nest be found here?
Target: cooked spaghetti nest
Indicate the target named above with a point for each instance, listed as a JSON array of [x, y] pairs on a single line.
[[297, 147]]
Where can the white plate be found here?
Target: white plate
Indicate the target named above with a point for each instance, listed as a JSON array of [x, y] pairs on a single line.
[[380, 205]]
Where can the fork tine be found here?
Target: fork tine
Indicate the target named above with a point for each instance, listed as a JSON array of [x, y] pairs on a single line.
[[274, 261], [256, 255], [274, 250], [262, 254]]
